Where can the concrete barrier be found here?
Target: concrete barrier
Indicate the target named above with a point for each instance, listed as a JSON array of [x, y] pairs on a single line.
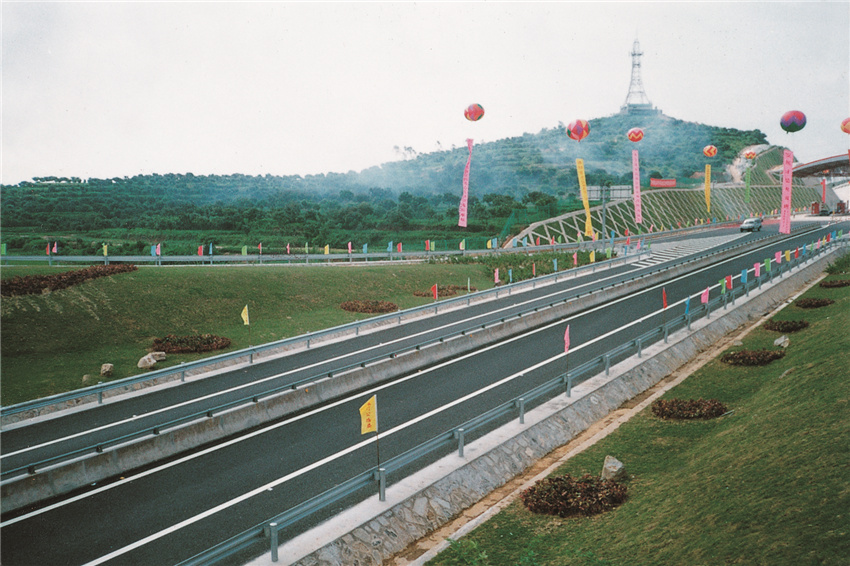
[[115, 460]]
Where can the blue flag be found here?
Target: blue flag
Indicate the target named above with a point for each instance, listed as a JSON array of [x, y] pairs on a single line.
[[365, 248], [153, 251], [743, 276], [514, 243], [211, 248], [556, 264], [687, 305], [612, 238], [510, 276], [390, 246]]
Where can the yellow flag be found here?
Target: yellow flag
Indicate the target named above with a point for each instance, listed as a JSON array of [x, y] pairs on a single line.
[[327, 249], [582, 183], [708, 188], [787, 255], [245, 315], [489, 244], [369, 416], [244, 250], [592, 256], [104, 249]]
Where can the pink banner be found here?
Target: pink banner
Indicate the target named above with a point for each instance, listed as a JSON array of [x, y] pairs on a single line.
[[785, 216], [778, 257], [757, 267], [662, 183], [636, 186], [464, 200]]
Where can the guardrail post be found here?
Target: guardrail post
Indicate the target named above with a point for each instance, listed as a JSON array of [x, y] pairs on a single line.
[[382, 484], [182, 373], [725, 301], [100, 395], [521, 410], [666, 332], [251, 357], [640, 347], [688, 317], [273, 537], [569, 384], [460, 442], [607, 363]]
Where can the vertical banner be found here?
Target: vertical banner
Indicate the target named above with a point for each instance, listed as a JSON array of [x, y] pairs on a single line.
[[496, 276], [369, 416], [582, 183], [747, 185], [636, 186], [785, 216], [464, 199], [823, 191], [708, 188]]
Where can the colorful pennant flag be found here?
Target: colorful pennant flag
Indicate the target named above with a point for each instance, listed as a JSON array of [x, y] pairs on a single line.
[[399, 247], [664, 297], [349, 247], [496, 276], [728, 281], [757, 268], [245, 319], [369, 416], [434, 291], [327, 249], [244, 250], [365, 248], [787, 168], [743, 276], [708, 187], [704, 296], [582, 183], [464, 199], [200, 250], [722, 286], [105, 250], [687, 305], [567, 340]]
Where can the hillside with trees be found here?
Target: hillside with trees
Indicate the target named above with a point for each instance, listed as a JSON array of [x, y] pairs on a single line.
[[533, 174]]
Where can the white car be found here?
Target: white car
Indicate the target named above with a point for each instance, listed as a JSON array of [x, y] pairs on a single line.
[[751, 225]]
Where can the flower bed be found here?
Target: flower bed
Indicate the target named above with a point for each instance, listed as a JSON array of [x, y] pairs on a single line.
[[172, 344], [687, 408], [566, 497], [752, 357], [834, 284], [812, 303], [370, 307], [443, 291], [37, 284], [786, 325]]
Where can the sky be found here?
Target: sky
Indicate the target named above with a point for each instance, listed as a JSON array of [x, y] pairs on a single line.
[[114, 89]]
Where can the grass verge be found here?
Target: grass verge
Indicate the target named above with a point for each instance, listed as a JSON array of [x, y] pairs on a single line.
[[766, 484]]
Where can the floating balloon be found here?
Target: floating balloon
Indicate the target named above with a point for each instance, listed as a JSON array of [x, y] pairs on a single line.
[[709, 151], [793, 121], [578, 129], [750, 155], [635, 134], [845, 125], [474, 112]]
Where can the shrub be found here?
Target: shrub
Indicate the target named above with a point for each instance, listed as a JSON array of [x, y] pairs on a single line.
[[172, 344], [786, 325], [813, 303], [688, 408], [835, 283], [443, 291], [565, 496], [370, 307], [752, 357], [37, 284]]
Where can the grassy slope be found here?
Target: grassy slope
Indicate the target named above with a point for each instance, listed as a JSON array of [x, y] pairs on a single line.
[[764, 485], [50, 341]]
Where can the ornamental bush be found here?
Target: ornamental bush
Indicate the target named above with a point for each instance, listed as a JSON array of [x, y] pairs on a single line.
[[443, 291], [172, 344], [812, 303], [834, 283], [752, 357], [371, 307], [688, 408], [786, 325], [37, 284], [565, 496]]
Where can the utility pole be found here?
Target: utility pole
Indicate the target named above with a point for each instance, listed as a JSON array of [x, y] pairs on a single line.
[[606, 186]]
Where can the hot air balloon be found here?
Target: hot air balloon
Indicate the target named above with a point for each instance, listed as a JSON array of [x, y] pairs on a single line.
[[793, 121], [578, 129], [709, 151], [635, 135], [473, 112], [750, 155], [845, 125]]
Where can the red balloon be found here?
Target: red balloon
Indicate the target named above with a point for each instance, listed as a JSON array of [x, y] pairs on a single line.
[[709, 151], [750, 155], [845, 125], [473, 112], [578, 129], [635, 134]]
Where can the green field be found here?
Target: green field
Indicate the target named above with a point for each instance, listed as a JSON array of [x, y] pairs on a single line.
[[766, 484]]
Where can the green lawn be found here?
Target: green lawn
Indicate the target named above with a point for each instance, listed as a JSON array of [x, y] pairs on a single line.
[[50, 341], [767, 484]]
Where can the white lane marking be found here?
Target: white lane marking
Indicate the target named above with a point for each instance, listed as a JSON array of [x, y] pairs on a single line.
[[387, 385], [302, 368]]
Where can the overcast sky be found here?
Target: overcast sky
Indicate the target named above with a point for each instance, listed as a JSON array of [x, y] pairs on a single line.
[[106, 89]]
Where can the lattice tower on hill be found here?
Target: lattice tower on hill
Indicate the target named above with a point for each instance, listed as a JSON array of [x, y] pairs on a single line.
[[636, 101]]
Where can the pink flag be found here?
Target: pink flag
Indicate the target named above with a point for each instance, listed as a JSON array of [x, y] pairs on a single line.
[[159, 249], [398, 247], [464, 199], [629, 241], [552, 240], [496, 276], [704, 296], [785, 217], [757, 267], [728, 281], [575, 259], [636, 187], [200, 250], [260, 247], [778, 257], [349, 247], [537, 241], [47, 249], [567, 339], [664, 297], [287, 248], [817, 247], [55, 247], [534, 270]]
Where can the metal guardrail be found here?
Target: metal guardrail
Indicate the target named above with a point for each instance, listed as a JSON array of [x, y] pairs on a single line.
[[101, 388], [209, 412], [268, 531]]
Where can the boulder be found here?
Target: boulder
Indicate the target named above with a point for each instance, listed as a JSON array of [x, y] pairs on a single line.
[[158, 356], [106, 370], [147, 362], [86, 379], [613, 469], [782, 341]]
